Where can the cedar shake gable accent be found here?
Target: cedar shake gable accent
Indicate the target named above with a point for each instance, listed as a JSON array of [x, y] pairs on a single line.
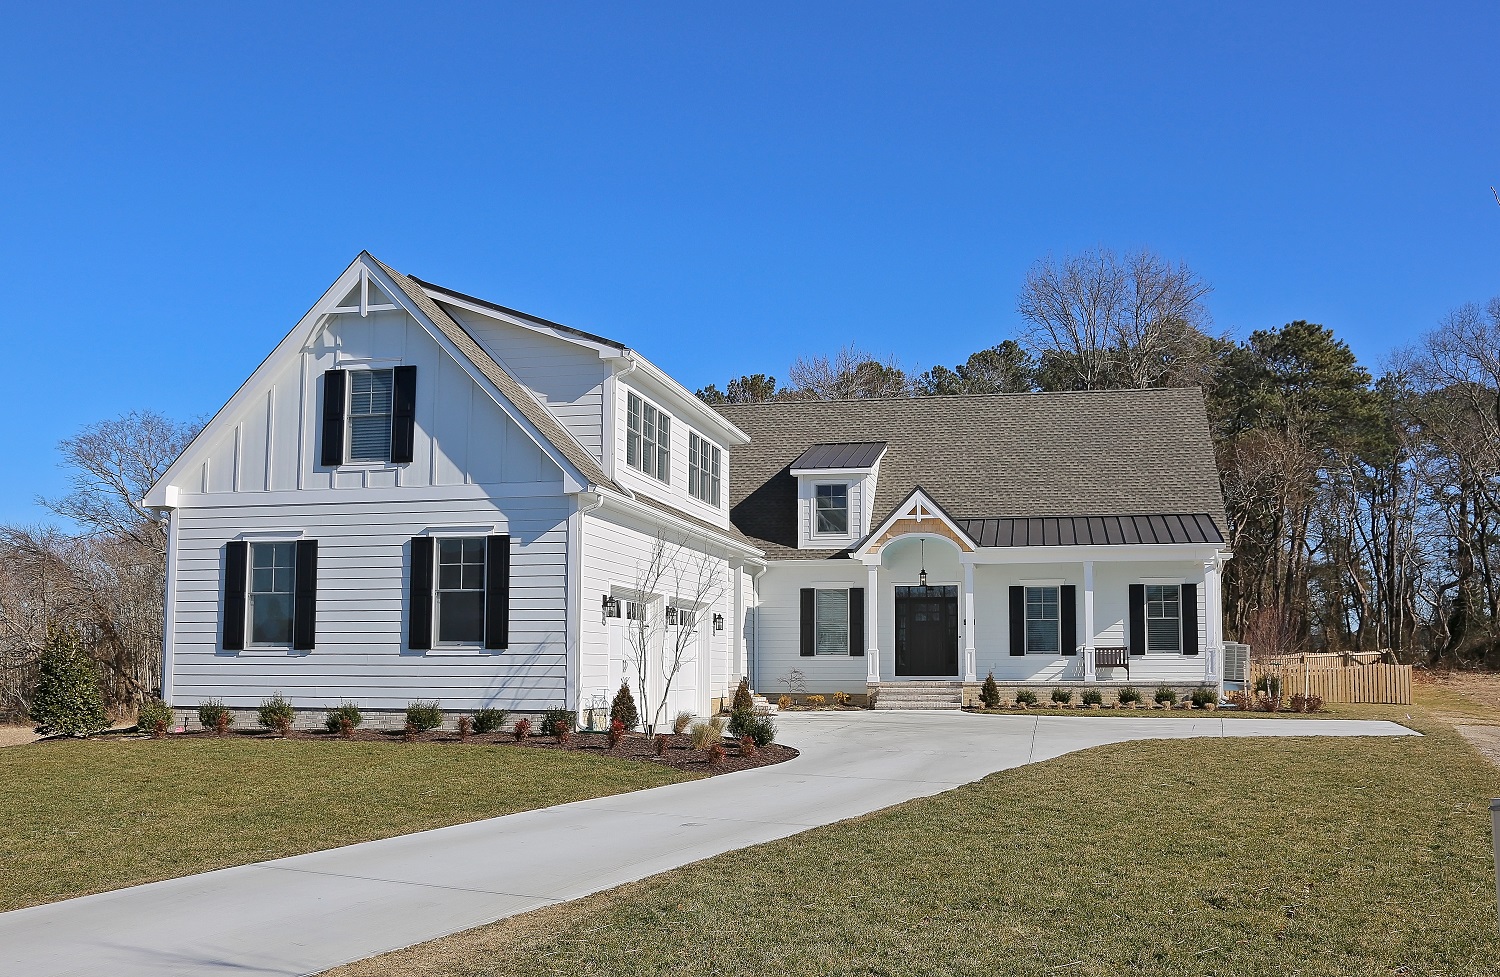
[[1143, 457]]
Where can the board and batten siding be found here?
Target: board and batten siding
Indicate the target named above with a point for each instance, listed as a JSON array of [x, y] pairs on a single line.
[[364, 565], [568, 378]]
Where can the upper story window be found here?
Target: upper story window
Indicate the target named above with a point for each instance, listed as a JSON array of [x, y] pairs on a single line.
[[648, 438], [703, 469], [272, 573], [831, 510], [1043, 621], [370, 414], [1163, 617]]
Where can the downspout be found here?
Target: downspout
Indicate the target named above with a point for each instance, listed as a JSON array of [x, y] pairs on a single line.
[[753, 667], [575, 595]]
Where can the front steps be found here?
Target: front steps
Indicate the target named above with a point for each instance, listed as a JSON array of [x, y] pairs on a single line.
[[920, 695]]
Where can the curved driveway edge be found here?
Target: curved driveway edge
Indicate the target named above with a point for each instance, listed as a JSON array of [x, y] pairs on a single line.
[[309, 913]]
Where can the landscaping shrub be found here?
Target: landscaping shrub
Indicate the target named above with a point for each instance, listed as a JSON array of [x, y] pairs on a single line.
[[1203, 698], [276, 713], [554, 720], [1062, 696], [623, 709], [1297, 703], [1166, 695], [616, 733], [737, 721], [841, 698], [1025, 696], [563, 734], [1240, 699], [1129, 695], [214, 715], [989, 692], [784, 702], [681, 722], [1267, 704], [344, 719], [661, 744], [761, 729], [424, 715], [1092, 697], [705, 733], [489, 721], [521, 729], [1314, 703], [67, 698], [154, 719], [817, 701], [743, 701], [465, 724], [747, 745], [409, 732], [715, 753]]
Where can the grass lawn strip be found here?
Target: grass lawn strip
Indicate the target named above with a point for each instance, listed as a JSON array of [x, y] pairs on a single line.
[[1215, 856], [89, 815]]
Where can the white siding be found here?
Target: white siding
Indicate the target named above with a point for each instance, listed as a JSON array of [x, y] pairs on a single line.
[[779, 622], [363, 573], [568, 378], [674, 491]]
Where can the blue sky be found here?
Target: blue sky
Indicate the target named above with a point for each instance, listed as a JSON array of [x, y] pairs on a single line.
[[721, 188]]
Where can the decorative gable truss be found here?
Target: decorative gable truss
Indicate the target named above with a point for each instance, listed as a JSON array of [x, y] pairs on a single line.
[[917, 513]]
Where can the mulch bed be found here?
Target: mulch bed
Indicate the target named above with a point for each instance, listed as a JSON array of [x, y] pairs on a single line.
[[635, 746]]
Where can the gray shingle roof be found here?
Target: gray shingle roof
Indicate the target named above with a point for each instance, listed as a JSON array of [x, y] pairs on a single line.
[[1003, 456], [850, 454]]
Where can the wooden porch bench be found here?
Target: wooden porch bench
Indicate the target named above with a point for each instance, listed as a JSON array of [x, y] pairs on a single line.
[[1112, 658]]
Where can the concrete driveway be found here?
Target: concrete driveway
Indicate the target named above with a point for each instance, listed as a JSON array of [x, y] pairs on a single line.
[[306, 914]]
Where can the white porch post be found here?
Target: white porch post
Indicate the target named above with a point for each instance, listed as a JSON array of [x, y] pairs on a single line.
[[1213, 664], [872, 628], [969, 670], [1089, 673]]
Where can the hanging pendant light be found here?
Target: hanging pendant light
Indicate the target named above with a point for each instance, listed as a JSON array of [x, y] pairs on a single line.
[[922, 577]]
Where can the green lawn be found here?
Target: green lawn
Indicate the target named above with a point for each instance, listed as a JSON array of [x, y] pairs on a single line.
[[85, 816], [1224, 857]]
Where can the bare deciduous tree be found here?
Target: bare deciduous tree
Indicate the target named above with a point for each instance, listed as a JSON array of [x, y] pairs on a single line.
[[850, 374]]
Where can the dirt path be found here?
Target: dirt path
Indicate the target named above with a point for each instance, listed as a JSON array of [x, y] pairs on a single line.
[[16, 735], [1486, 739]]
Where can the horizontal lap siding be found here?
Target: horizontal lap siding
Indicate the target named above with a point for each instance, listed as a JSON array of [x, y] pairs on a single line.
[[363, 562], [779, 622]]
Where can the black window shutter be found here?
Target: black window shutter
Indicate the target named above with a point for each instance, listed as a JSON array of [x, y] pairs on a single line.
[[1018, 620], [497, 592], [235, 560], [1137, 619], [419, 600], [1067, 608], [857, 621], [807, 622], [1189, 619], [334, 401], [305, 599], [403, 413]]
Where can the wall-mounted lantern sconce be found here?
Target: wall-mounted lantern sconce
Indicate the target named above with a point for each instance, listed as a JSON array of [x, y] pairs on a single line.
[[718, 622], [611, 606]]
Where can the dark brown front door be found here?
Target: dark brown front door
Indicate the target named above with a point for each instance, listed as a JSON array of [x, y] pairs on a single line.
[[927, 631]]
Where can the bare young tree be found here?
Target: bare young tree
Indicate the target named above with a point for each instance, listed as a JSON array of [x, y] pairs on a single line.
[[674, 588], [850, 374]]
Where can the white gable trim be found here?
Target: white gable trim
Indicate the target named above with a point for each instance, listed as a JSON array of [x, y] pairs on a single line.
[[918, 506], [165, 493]]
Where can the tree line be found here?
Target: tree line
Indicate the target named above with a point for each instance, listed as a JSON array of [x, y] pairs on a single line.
[[1363, 508]]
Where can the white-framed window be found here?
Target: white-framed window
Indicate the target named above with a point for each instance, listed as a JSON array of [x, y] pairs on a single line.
[[1043, 621], [272, 576], [648, 438], [370, 414], [830, 622], [630, 610], [1163, 617], [458, 597], [703, 469], [682, 617], [831, 510]]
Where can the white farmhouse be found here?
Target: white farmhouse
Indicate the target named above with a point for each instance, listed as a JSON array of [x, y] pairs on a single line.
[[423, 495]]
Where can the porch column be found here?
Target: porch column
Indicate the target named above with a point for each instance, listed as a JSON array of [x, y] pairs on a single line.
[[1213, 664], [1089, 674], [969, 670], [872, 628]]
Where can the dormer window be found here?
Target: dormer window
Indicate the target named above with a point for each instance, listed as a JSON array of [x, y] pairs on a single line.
[[831, 510], [648, 438]]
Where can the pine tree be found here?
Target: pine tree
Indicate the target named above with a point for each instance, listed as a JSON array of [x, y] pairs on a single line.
[[989, 693], [742, 700], [623, 708], [67, 698]]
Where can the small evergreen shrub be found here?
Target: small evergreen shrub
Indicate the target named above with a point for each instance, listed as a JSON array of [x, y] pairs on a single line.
[[1062, 696], [559, 719], [1092, 697], [623, 709], [681, 723], [489, 720], [748, 746], [409, 732], [521, 729], [1166, 696], [67, 698], [616, 733], [743, 702], [563, 734], [424, 715], [661, 744], [1025, 696], [761, 729], [214, 715], [737, 721], [154, 719], [1129, 695], [276, 713], [465, 726], [989, 692], [344, 719], [715, 753], [1203, 698]]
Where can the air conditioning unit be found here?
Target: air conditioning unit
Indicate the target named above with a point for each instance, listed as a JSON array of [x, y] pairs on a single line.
[[1236, 662]]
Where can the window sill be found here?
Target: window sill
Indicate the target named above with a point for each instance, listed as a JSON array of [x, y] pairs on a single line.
[[286, 651], [461, 652]]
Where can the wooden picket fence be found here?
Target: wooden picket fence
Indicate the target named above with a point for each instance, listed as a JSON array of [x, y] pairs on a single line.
[[1333, 682]]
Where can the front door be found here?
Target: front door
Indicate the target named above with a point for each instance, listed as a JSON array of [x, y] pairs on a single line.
[[927, 631]]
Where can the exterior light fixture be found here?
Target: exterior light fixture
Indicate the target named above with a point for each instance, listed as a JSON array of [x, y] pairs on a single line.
[[718, 622], [922, 577], [611, 606]]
